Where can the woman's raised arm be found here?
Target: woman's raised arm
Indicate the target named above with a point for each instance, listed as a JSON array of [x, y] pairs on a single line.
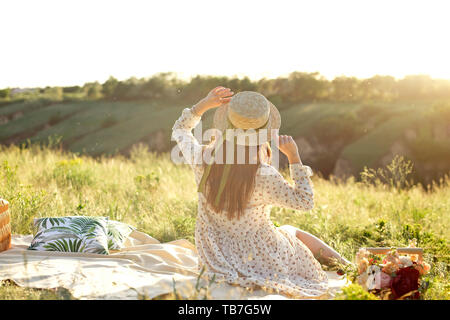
[[182, 130], [277, 191]]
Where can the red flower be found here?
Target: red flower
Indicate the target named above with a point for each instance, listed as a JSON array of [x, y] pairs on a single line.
[[406, 280]]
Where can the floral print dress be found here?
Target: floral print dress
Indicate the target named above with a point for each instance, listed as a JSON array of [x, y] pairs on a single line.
[[252, 252]]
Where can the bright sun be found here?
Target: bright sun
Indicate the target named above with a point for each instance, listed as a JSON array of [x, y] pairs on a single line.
[[71, 42]]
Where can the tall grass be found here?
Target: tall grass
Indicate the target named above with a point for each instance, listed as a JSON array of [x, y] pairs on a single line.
[[158, 197]]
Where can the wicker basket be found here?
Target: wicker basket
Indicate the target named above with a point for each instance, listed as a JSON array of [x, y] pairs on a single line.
[[5, 226], [384, 250]]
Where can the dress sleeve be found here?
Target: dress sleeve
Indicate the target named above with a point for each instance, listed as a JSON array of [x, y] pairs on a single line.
[[191, 149], [278, 192]]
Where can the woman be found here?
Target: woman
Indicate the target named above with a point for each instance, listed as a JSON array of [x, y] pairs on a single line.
[[235, 238]]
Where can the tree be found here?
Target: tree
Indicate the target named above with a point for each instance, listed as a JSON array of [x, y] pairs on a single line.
[[415, 87], [305, 87], [345, 89], [4, 93], [93, 90], [382, 88], [109, 88], [54, 93], [72, 89]]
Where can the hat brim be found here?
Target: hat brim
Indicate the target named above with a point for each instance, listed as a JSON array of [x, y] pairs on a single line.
[[221, 122]]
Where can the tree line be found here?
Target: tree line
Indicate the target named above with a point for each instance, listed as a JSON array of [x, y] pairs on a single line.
[[297, 87]]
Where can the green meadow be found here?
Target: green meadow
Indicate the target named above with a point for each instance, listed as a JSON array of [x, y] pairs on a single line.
[[158, 197], [103, 150]]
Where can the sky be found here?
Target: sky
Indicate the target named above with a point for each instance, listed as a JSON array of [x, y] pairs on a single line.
[[62, 43]]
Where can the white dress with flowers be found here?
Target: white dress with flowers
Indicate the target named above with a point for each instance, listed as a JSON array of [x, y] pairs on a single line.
[[251, 251]]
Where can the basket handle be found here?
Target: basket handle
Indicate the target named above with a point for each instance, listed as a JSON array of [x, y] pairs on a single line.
[[384, 250], [4, 205]]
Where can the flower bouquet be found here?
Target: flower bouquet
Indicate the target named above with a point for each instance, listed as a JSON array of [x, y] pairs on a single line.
[[389, 275]]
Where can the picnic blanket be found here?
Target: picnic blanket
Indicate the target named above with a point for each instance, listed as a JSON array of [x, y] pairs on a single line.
[[145, 268]]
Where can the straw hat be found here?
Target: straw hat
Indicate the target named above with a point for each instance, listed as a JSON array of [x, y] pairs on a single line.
[[251, 112], [254, 115]]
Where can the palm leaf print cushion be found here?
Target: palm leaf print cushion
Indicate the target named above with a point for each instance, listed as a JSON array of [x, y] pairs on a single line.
[[118, 232], [71, 234]]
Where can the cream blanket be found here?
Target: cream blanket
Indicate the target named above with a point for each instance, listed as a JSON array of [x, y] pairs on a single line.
[[145, 268]]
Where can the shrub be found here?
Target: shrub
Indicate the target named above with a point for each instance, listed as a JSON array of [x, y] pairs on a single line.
[[394, 175]]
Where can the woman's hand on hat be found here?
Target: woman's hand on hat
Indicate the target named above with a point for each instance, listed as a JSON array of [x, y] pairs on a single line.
[[218, 96], [215, 98], [287, 145]]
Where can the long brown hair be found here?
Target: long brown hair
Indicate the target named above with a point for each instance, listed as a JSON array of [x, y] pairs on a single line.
[[240, 182]]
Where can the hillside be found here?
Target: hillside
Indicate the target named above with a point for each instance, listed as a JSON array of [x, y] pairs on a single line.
[[334, 138]]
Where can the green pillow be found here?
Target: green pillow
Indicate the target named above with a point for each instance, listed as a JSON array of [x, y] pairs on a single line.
[[71, 234], [118, 233]]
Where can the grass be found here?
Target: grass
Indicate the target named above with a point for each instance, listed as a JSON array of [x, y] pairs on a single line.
[[9, 291], [362, 133], [97, 127], [158, 197], [298, 120], [40, 117], [23, 106], [127, 132], [128, 122], [370, 147], [88, 121]]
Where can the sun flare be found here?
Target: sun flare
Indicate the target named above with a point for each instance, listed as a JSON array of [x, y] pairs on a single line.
[[72, 42]]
